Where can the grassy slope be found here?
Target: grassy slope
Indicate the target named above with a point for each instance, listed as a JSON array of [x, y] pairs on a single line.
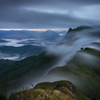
[[59, 90], [86, 72], [26, 69]]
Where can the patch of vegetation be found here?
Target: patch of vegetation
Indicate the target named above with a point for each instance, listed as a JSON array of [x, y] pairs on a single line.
[[59, 90]]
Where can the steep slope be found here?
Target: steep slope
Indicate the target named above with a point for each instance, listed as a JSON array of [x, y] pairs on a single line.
[[81, 32], [61, 90], [83, 70], [80, 52], [80, 28]]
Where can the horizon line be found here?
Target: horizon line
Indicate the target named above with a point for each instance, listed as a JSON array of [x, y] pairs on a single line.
[[44, 29]]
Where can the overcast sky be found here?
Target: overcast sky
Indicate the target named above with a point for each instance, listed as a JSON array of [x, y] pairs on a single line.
[[48, 13]]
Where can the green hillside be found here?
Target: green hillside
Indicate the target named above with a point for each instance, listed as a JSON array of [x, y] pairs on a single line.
[[83, 70], [17, 74]]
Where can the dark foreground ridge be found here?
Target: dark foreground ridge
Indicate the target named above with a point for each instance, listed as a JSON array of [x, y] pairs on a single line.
[[59, 90]]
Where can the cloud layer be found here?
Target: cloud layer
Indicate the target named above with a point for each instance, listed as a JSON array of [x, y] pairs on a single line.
[[48, 13]]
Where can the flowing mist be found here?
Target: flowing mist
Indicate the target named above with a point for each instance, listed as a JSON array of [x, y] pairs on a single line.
[[69, 47], [65, 50], [73, 42]]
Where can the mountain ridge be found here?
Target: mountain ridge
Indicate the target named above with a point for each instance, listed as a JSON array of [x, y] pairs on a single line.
[[60, 90]]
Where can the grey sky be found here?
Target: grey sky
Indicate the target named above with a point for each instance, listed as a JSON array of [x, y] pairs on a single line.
[[48, 13]]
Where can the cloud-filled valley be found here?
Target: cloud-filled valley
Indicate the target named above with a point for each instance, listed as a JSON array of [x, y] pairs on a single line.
[[17, 45]]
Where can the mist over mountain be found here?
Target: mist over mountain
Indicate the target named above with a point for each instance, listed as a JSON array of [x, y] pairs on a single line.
[[50, 42], [74, 58], [74, 40], [80, 54]]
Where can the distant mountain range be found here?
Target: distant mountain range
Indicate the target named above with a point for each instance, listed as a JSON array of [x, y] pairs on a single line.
[[29, 34], [17, 45]]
